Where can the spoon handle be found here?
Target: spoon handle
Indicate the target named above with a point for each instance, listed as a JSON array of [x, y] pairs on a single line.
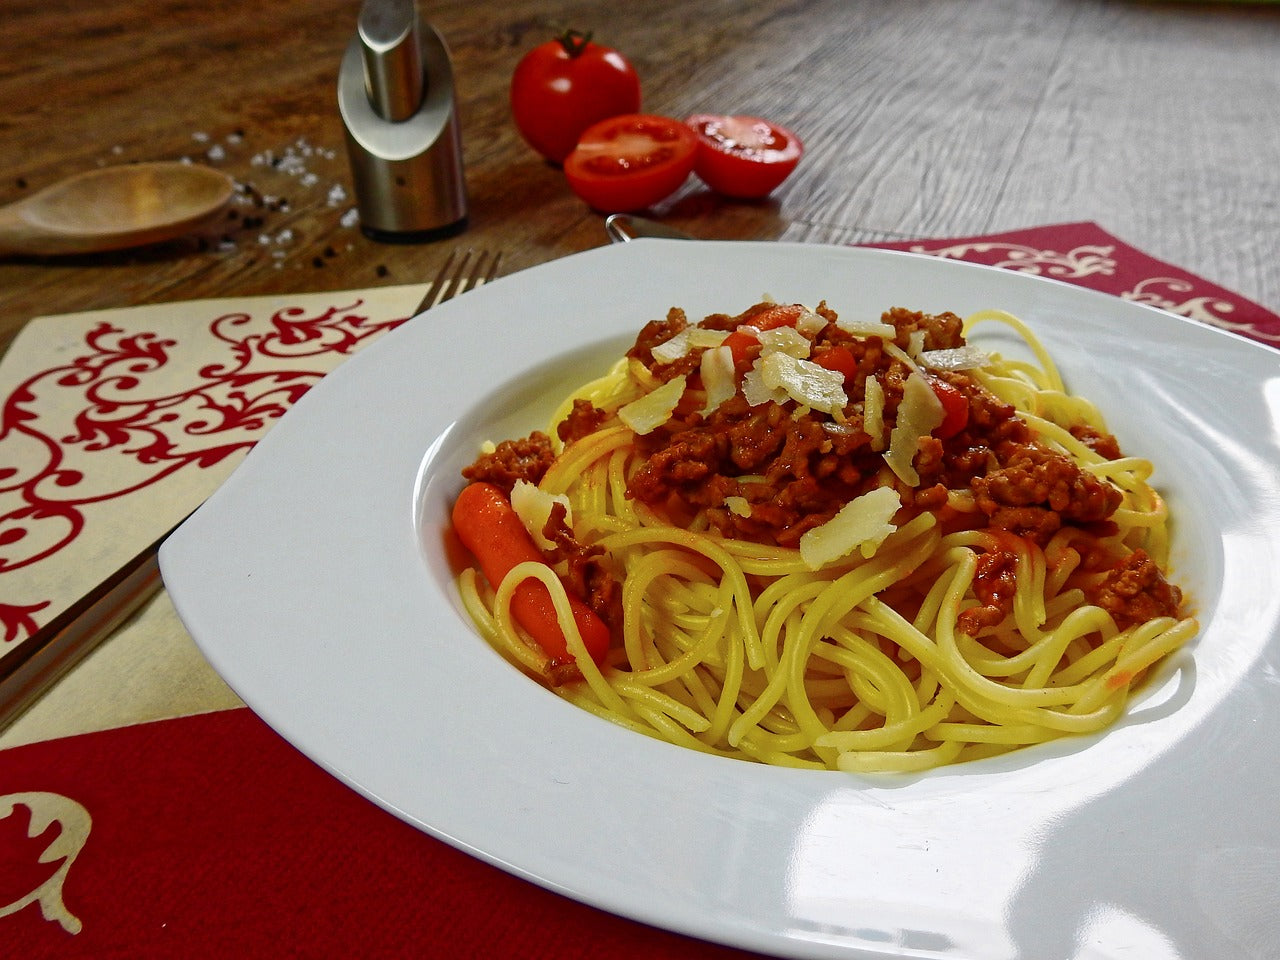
[[15, 232], [625, 227]]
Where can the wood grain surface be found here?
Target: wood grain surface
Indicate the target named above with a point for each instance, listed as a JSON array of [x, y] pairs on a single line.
[[922, 118]]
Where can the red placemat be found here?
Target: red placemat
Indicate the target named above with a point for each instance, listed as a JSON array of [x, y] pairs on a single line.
[[210, 836]]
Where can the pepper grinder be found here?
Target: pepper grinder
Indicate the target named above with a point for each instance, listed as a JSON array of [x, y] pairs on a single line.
[[396, 98]]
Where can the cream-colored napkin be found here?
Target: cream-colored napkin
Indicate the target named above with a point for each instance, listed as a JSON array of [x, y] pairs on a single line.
[[116, 424]]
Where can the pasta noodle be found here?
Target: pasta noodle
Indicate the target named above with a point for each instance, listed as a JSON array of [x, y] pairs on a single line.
[[942, 620]]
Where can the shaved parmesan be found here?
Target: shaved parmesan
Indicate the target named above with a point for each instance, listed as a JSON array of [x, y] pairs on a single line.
[[717, 377], [915, 343], [873, 413], [653, 409], [955, 358], [755, 391], [533, 506], [867, 328], [895, 351], [684, 342], [786, 340], [811, 324], [919, 413], [862, 524], [803, 381]]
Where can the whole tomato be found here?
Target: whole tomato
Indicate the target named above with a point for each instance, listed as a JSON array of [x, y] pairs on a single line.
[[564, 86]]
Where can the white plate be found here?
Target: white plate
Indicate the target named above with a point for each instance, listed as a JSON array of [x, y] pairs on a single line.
[[316, 583]]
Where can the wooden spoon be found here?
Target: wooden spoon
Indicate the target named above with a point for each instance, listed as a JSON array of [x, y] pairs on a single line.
[[114, 208]]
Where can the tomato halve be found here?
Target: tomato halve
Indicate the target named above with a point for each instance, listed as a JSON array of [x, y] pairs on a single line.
[[631, 162]]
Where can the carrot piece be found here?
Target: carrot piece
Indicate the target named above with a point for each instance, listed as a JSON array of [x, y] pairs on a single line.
[[779, 315], [488, 527]]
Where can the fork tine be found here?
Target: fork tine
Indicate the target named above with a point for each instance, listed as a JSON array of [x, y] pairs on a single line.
[[433, 293], [454, 277], [454, 285], [493, 267]]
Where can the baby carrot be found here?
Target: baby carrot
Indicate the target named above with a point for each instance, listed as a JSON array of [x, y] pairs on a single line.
[[488, 527]]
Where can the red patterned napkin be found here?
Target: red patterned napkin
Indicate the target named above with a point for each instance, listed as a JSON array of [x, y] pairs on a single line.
[[209, 836], [1086, 255]]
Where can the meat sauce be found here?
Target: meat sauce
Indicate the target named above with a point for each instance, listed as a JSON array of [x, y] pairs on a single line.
[[796, 467]]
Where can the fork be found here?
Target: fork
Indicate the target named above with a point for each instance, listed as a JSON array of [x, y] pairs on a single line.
[[453, 280], [36, 663]]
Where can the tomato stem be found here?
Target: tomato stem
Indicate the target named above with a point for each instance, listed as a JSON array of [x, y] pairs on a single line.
[[574, 42]]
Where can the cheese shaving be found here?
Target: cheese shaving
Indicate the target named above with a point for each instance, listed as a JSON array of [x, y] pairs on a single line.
[[685, 342], [895, 351], [717, 377], [867, 328], [653, 409], [811, 324], [755, 391], [919, 414], [803, 381], [786, 340], [862, 524], [533, 506], [873, 413], [955, 358], [915, 343]]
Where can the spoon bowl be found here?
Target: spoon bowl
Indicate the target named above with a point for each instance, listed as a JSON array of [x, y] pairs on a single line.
[[114, 208]]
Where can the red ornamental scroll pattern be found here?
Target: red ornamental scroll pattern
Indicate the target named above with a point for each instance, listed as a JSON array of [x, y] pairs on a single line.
[[1081, 261], [117, 400], [1117, 269]]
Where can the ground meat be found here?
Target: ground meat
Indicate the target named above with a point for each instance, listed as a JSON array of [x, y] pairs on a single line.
[[1135, 591], [757, 437], [1034, 523], [942, 331], [585, 418], [526, 459], [1033, 475], [804, 468], [994, 584], [929, 498], [1103, 444], [990, 418], [689, 459], [588, 576], [656, 332], [797, 468]]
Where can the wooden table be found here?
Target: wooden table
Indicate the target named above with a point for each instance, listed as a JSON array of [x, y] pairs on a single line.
[[922, 119]]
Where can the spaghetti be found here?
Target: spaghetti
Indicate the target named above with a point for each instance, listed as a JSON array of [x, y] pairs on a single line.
[[863, 546]]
